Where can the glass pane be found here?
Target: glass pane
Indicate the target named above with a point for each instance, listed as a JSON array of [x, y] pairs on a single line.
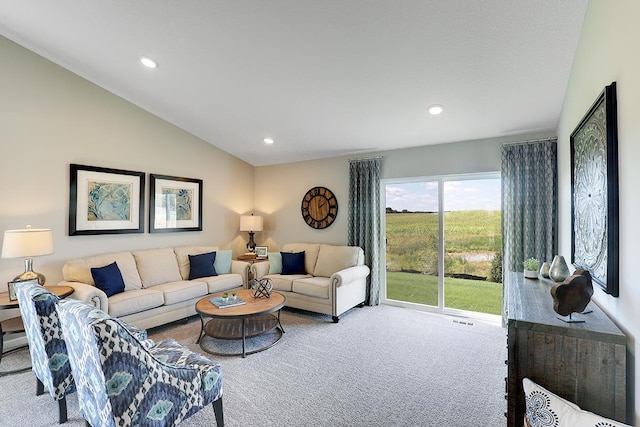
[[472, 239], [412, 242]]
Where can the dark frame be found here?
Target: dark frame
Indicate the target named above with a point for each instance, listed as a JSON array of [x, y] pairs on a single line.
[[596, 133], [79, 201], [159, 223]]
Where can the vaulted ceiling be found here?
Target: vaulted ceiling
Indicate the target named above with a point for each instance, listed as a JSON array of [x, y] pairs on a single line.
[[322, 78]]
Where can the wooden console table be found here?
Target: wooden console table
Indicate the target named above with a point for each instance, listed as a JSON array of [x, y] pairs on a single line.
[[584, 363]]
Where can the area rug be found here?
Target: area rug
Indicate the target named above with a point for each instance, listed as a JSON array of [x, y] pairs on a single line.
[[379, 366]]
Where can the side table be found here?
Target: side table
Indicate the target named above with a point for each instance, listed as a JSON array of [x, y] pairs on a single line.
[[15, 325], [251, 259]]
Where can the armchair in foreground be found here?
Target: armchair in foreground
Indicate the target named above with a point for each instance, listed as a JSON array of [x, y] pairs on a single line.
[[46, 343], [123, 381]]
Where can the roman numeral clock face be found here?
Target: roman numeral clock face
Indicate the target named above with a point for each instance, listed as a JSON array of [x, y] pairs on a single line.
[[319, 207]]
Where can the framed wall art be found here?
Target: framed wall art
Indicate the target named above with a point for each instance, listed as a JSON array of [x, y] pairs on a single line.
[[594, 192], [175, 204], [105, 201]]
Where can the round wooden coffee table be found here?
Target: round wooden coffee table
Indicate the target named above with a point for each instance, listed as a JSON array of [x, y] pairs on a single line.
[[257, 316]]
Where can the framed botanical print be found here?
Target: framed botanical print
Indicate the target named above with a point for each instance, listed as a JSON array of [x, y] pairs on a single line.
[[594, 192], [105, 201], [175, 204]]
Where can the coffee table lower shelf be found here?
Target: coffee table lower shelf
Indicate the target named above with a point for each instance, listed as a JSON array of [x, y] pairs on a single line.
[[241, 329]]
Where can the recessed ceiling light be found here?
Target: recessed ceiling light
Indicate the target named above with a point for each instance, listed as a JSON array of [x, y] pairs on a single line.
[[268, 140], [435, 109], [149, 62]]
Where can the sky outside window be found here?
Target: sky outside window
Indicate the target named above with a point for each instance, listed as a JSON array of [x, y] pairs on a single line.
[[477, 194]]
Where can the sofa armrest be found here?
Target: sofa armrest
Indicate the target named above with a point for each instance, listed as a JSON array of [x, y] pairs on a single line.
[[241, 268], [89, 294], [260, 269], [349, 275]]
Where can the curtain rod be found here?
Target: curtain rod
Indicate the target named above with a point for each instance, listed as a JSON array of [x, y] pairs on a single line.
[[368, 158], [530, 141]]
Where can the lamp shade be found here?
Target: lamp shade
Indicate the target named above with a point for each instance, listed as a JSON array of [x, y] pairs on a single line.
[[26, 243], [250, 223]]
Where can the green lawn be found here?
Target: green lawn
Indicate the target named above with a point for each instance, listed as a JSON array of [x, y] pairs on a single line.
[[470, 295]]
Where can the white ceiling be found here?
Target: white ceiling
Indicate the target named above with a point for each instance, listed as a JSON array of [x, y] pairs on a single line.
[[322, 77]]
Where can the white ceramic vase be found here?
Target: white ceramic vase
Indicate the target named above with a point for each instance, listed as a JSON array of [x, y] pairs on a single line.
[[544, 270]]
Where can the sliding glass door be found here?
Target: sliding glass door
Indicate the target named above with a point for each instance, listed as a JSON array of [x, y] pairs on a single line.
[[412, 236], [443, 242]]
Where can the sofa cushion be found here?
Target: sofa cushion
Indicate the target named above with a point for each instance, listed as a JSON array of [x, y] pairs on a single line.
[[182, 257], [317, 287], [335, 258], [79, 270], [222, 282], [311, 253], [157, 266], [275, 262], [183, 290], [134, 301], [202, 265], [222, 263], [284, 283], [293, 263], [108, 279], [546, 408]]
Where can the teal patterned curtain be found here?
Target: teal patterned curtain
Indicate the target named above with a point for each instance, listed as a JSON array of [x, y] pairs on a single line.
[[364, 218], [529, 202]]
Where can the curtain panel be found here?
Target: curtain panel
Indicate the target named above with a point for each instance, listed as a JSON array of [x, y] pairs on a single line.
[[364, 218], [529, 202]]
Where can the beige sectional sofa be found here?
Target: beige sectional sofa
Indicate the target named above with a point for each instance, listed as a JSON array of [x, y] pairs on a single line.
[[333, 280], [157, 287]]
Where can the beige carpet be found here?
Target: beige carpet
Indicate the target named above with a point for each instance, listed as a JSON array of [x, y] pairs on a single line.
[[380, 366]]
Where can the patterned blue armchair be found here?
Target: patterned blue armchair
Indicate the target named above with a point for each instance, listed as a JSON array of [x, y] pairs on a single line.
[[123, 381], [49, 359]]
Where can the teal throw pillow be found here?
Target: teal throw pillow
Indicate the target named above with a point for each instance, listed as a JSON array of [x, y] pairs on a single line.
[[275, 262], [293, 263], [108, 279], [202, 265], [222, 263]]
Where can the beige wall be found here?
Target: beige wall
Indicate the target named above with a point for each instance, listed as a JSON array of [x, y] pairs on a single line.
[[50, 118], [608, 52], [280, 188]]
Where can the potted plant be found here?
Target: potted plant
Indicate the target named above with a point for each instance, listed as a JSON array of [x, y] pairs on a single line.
[[531, 267], [233, 297], [225, 297]]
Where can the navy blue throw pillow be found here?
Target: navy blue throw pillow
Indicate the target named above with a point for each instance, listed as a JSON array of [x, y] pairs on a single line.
[[108, 279], [293, 263], [202, 265]]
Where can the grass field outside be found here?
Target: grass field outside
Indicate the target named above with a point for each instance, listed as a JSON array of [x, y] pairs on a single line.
[[461, 294], [472, 238]]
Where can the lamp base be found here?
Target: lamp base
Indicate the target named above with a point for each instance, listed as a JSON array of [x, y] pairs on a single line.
[[29, 274], [251, 245]]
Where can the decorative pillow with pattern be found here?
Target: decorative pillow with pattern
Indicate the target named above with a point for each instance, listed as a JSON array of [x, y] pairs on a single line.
[[545, 409]]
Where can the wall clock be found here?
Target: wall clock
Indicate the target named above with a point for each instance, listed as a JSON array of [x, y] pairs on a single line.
[[319, 207]]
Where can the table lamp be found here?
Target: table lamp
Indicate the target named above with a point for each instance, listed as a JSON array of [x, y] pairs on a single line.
[[251, 224], [27, 243]]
